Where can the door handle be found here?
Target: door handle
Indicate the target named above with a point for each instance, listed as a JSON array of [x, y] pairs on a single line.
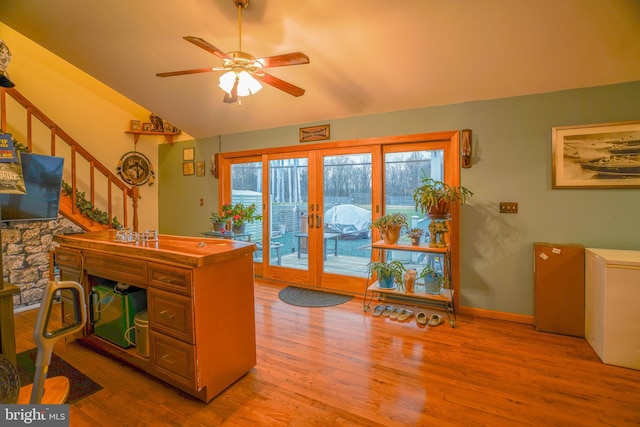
[[310, 221], [318, 220]]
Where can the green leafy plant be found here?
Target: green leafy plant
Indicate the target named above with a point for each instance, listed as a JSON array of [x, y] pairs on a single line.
[[216, 218], [415, 232], [87, 209], [432, 274], [240, 214], [390, 226], [383, 270], [435, 197]]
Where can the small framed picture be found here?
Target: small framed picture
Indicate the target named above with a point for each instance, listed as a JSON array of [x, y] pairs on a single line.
[[147, 126], [188, 154], [187, 168], [200, 168], [135, 125]]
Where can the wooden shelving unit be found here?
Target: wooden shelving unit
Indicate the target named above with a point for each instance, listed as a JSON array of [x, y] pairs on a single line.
[[446, 297]]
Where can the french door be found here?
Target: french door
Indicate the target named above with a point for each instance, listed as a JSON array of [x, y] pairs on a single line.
[[317, 204]]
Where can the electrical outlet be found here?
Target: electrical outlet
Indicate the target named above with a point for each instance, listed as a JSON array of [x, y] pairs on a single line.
[[508, 207]]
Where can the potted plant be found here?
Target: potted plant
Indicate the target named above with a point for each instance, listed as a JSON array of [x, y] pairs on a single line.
[[415, 234], [218, 221], [390, 226], [433, 279], [387, 273], [240, 215], [435, 197]]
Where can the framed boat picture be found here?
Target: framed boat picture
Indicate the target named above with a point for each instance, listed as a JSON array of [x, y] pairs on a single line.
[[605, 155]]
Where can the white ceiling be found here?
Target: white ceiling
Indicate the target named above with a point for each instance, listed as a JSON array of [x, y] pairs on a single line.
[[366, 56]]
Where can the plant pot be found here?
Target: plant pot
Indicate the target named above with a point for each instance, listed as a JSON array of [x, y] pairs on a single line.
[[415, 240], [439, 210], [432, 286], [238, 229], [218, 226], [391, 235], [386, 282]]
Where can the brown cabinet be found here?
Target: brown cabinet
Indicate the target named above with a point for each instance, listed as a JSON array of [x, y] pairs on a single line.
[[559, 288], [201, 318]]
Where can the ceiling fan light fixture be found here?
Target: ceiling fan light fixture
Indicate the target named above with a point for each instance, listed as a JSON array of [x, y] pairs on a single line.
[[247, 85]]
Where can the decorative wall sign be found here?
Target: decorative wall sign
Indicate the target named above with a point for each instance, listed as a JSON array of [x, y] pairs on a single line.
[[314, 133], [135, 169], [605, 155]]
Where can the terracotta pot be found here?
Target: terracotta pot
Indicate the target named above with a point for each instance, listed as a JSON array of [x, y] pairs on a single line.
[[439, 210], [391, 235]]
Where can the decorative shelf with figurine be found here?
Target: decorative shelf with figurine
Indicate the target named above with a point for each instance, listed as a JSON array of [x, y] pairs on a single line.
[[156, 126]]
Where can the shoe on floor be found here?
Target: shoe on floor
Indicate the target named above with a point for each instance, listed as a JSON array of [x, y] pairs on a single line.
[[405, 315], [387, 311], [421, 318], [435, 320], [378, 311], [395, 313]]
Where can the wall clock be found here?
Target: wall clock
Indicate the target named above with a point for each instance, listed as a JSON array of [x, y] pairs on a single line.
[[135, 169]]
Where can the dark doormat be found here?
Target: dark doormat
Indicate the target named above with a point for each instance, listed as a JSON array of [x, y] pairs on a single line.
[[302, 297], [81, 385]]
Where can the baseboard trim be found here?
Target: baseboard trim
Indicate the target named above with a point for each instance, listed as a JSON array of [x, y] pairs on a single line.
[[498, 315]]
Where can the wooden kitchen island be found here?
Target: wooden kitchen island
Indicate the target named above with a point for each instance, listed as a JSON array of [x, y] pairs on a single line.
[[200, 303]]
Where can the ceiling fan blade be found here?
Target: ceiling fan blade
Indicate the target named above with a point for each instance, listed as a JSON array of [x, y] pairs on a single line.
[[180, 73], [294, 58], [233, 97], [206, 46], [280, 84]]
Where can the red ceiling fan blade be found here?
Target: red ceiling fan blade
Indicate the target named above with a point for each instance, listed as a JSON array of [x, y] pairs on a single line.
[[206, 46], [294, 58], [180, 73], [280, 84]]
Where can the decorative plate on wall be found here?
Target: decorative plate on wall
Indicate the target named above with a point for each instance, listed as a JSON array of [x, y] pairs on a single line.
[[135, 169]]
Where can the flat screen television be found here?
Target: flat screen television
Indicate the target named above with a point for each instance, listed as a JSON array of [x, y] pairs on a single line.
[[43, 180]]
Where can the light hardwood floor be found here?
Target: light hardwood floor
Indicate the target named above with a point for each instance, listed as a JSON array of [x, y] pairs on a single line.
[[340, 366]]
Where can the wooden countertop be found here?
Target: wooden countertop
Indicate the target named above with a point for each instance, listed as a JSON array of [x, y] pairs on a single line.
[[190, 251]]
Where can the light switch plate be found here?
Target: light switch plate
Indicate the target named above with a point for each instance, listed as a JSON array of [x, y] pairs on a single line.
[[508, 207]]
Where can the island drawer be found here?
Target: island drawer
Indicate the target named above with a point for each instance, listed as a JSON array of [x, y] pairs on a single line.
[[173, 358], [171, 314], [169, 278]]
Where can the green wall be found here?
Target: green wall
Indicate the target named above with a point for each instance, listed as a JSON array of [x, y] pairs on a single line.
[[511, 162]]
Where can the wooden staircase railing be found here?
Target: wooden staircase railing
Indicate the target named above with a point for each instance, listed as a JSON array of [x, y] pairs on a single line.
[[129, 194]]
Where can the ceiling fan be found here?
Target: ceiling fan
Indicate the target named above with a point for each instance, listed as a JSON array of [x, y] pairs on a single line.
[[244, 72]]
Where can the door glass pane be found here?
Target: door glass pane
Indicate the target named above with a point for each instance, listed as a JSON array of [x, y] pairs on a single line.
[[288, 198], [403, 173], [246, 189], [347, 214]]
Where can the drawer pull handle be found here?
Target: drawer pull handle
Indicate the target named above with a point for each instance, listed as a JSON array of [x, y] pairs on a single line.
[[165, 357], [167, 313]]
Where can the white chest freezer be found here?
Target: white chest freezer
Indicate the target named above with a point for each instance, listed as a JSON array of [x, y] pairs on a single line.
[[612, 305]]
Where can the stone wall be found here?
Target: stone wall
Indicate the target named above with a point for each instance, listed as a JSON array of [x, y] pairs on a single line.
[[25, 256]]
